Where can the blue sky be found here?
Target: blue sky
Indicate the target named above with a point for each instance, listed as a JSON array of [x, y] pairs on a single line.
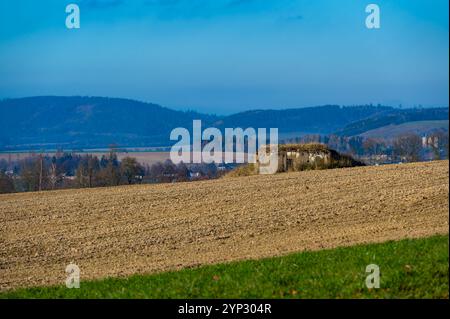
[[225, 56]]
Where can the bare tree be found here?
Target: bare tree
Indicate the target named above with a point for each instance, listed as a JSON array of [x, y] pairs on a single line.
[[41, 169], [373, 146], [112, 168], [130, 169], [34, 174], [170, 171], [182, 172], [408, 147], [156, 172], [53, 173], [93, 167], [439, 144], [6, 183]]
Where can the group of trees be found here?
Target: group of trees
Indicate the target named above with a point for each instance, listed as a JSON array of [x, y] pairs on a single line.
[[108, 171], [355, 145], [406, 147], [67, 170], [6, 183]]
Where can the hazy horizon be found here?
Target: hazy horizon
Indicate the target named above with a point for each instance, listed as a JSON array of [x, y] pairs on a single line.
[[228, 56], [187, 109]]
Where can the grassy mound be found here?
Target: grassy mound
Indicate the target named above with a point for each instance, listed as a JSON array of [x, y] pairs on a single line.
[[243, 170]]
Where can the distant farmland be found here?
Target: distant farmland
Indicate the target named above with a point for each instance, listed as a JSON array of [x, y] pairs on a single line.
[[419, 127]]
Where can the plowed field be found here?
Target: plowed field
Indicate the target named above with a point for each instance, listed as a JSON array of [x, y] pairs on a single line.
[[151, 228]]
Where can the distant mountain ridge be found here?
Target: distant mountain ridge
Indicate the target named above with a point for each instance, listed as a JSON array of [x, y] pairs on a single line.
[[52, 122], [320, 119], [394, 117], [85, 122]]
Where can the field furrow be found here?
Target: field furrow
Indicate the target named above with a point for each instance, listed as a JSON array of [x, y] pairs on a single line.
[[151, 228]]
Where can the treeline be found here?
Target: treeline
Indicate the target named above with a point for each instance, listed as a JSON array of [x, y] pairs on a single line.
[[404, 148], [67, 170], [70, 170]]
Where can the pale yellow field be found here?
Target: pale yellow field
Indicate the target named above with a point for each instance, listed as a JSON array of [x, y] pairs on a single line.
[[151, 228]]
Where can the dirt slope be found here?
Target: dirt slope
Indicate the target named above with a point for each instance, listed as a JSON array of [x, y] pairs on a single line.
[[150, 228]]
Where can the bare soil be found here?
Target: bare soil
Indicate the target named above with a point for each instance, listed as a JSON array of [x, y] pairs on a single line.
[[152, 228]]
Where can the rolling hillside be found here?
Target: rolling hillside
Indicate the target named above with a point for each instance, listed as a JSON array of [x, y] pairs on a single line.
[[418, 127], [394, 117], [96, 122], [87, 122], [318, 120], [152, 228]]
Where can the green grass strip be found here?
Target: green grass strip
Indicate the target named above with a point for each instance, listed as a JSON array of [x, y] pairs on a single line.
[[409, 269]]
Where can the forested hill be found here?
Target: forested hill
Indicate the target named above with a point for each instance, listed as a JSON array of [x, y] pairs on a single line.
[[394, 117], [88, 122], [319, 119]]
